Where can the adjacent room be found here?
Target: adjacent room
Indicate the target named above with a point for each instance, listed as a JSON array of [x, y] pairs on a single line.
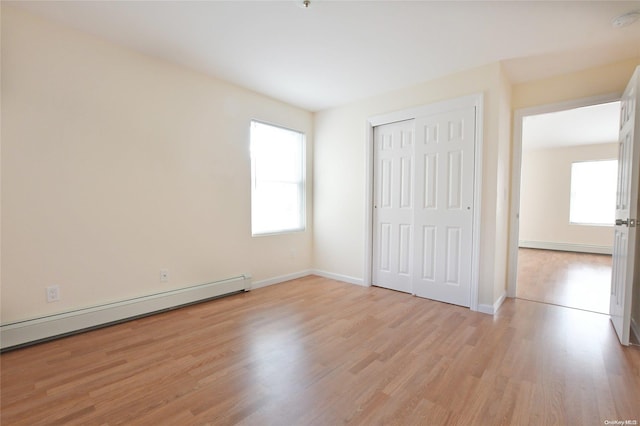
[[567, 206], [309, 212]]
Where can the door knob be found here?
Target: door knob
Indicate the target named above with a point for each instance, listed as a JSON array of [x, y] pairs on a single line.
[[622, 222]]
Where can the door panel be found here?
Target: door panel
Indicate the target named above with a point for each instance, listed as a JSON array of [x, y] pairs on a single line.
[[452, 257], [393, 205], [624, 247], [430, 181], [384, 247], [405, 249], [444, 206], [406, 177], [429, 253], [454, 181]]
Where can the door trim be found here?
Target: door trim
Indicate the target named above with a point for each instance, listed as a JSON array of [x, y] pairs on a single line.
[[516, 171], [475, 100]]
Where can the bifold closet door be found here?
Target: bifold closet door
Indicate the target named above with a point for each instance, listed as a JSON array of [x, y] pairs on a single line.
[[443, 211], [393, 205]]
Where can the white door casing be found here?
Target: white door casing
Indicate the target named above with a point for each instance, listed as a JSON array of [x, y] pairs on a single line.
[[393, 205], [443, 218], [624, 253]]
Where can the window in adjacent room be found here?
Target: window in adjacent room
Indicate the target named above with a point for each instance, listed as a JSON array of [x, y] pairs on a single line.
[[277, 179], [593, 192]]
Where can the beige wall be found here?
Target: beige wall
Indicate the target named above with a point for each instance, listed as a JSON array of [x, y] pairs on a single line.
[[340, 164], [544, 196], [603, 80], [115, 165]]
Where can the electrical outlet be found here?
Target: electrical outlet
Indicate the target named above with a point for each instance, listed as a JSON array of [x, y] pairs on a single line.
[[164, 275], [53, 293]]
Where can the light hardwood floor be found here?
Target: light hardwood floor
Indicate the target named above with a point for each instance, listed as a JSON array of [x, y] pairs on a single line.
[[575, 280], [318, 352]]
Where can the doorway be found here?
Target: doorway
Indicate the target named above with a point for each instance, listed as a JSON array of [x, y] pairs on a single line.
[[564, 186]]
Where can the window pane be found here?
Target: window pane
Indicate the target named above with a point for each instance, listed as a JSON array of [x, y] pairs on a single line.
[[276, 207], [277, 156], [278, 160], [593, 192]]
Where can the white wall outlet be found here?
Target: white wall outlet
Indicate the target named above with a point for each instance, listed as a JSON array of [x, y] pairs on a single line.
[[164, 275], [53, 293]]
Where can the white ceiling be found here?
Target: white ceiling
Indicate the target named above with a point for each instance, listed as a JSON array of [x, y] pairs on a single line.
[[580, 126], [336, 52]]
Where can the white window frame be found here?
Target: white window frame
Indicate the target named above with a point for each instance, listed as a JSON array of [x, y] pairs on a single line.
[[301, 184]]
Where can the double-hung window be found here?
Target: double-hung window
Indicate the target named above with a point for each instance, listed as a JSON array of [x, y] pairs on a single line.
[[277, 179]]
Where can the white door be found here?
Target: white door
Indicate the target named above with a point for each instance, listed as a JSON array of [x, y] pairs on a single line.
[[393, 205], [443, 219], [624, 245]]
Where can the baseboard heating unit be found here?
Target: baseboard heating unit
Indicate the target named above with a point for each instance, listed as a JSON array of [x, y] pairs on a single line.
[[22, 333]]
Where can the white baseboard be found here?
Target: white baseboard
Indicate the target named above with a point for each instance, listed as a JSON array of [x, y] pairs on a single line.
[[635, 329], [492, 309], [30, 331], [579, 248], [281, 279], [339, 277]]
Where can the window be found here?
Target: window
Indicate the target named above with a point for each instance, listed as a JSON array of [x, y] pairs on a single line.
[[277, 179], [593, 192]]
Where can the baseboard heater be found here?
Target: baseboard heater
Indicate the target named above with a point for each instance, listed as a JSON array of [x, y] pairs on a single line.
[[22, 333], [577, 248]]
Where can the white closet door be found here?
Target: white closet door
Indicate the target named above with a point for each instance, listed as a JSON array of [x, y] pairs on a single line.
[[444, 160], [393, 205]]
